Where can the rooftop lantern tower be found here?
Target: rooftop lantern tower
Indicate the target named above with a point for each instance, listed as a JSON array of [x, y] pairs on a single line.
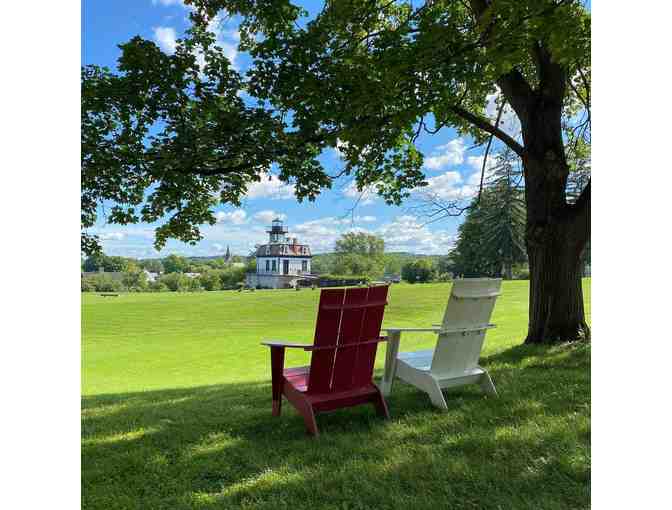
[[277, 232]]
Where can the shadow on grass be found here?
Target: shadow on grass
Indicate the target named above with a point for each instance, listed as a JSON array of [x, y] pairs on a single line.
[[219, 447]]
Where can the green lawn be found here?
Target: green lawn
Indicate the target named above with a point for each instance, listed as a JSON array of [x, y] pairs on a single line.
[[176, 413]]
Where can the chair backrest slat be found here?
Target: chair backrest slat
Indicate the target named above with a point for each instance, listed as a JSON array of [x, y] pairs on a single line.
[[366, 354], [470, 306], [326, 334], [346, 318], [350, 336], [471, 302]]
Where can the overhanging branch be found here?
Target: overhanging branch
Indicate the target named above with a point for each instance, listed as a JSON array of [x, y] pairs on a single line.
[[581, 210], [482, 123]]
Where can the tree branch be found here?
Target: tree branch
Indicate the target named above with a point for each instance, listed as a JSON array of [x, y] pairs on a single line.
[[482, 123], [517, 91], [581, 209], [487, 152]]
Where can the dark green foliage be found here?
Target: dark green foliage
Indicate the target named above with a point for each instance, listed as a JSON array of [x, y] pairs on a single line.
[[324, 263], [152, 265], [419, 271], [88, 285], [176, 282], [101, 283], [359, 253], [201, 153], [108, 264], [492, 238], [345, 277], [251, 266], [360, 243], [134, 279], [231, 277], [210, 280], [175, 264]]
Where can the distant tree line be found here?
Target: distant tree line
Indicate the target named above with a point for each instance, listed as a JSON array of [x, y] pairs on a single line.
[[362, 255], [173, 273]]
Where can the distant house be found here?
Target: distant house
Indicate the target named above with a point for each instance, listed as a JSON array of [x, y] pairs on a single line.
[[151, 276], [282, 262], [192, 275]]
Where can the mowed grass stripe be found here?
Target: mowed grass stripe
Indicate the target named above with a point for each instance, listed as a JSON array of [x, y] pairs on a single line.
[[176, 414], [171, 340]]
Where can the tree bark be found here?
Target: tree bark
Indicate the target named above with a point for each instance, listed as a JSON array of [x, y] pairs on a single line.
[[556, 235], [556, 312]]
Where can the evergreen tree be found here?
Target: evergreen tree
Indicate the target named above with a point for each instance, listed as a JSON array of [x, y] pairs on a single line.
[[503, 241], [492, 238]]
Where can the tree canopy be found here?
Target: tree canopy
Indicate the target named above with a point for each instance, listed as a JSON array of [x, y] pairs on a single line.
[[359, 253], [168, 136]]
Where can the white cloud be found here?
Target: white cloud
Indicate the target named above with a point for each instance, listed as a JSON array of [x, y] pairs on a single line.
[[237, 217], [321, 234], [268, 216], [112, 236], [452, 186], [407, 233], [508, 122], [225, 37], [271, 187], [217, 246], [476, 162], [451, 153], [447, 186], [167, 3], [350, 220], [366, 219], [166, 38], [365, 197]]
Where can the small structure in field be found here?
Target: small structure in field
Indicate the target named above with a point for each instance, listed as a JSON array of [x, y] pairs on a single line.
[[282, 262]]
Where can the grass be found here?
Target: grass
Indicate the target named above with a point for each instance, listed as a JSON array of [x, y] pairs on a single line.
[[176, 413]]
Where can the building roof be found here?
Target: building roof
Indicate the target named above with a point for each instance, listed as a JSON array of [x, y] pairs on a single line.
[[283, 250]]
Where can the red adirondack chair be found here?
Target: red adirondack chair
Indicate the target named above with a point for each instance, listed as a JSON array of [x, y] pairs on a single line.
[[347, 333]]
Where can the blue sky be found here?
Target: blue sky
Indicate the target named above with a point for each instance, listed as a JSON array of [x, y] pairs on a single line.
[[451, 167]]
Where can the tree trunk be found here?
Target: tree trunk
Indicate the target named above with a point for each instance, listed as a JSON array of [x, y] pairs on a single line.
[[556, 236], [556, 231], [556, 311]]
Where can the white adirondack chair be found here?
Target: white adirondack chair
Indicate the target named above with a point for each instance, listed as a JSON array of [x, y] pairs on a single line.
[[454, 360]]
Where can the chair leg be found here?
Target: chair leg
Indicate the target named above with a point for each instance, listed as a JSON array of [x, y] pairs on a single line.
[[309, 419], [487, 385], [390, 362], [277, 405], [380, 404], [436, 395], [277, 364]]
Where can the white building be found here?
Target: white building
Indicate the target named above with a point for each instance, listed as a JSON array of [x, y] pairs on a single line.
[[281, 262]]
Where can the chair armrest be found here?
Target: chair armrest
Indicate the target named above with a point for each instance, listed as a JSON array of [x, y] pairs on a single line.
[[284, 343], [438, 329], [416, 330], [307, 347], [470, 329]]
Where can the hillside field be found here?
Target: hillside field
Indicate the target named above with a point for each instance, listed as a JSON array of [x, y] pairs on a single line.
[[176, 412]]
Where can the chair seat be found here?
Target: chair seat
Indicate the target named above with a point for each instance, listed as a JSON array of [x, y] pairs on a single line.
[[298, 377], [420, 360]]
